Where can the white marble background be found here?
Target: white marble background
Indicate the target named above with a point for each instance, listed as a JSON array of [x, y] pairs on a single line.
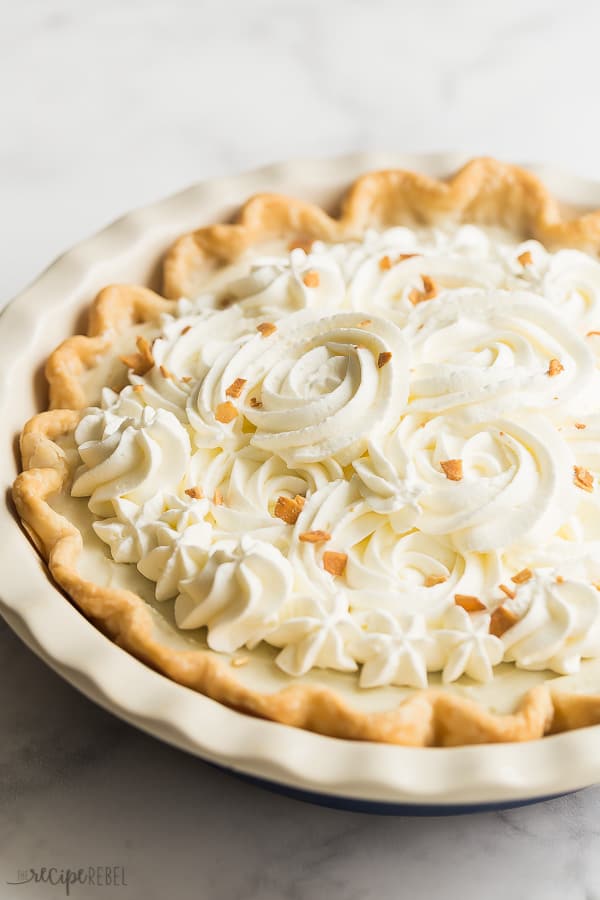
[[105, 106]]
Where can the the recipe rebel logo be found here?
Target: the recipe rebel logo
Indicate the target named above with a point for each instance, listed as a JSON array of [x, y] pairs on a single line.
[[70, 879]]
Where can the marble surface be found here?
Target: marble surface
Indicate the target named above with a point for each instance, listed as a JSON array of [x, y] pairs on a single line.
[[107, 106]]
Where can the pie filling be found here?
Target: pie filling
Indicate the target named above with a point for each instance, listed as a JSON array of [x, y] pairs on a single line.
[[378, 457]]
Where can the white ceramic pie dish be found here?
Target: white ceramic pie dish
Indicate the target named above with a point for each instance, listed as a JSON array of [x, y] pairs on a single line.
[[47, 312]]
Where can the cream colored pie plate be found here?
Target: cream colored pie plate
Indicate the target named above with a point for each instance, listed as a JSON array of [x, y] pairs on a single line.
[[30, 328]]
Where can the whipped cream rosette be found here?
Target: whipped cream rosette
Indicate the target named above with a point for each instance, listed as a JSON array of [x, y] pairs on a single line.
[[255, 486], [237, 593], [317, 632], [377, 456], [556, 624], [129, 451], [396, 650], [323, 384], [495, 348], [569, 280]]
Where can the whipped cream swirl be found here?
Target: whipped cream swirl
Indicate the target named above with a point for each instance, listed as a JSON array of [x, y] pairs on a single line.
[[133, 453], [516, 477], [324, 384], [558, 624], [237, 594]]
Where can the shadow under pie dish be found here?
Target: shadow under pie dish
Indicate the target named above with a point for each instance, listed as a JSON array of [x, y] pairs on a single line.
[[362, 445]]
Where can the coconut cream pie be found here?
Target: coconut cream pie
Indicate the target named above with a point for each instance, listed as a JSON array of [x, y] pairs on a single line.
[[344, 473]]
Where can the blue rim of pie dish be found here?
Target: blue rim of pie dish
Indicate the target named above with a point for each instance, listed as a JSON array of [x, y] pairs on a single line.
[[381, 807]]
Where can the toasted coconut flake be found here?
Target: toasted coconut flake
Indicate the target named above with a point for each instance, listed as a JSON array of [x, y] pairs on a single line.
[[501, 620], [288, 509], [255, 403], [225, 412], [428, 293], [138, 388], [383, 359], [429, 287], [185, 330], [522, 576], [334, 562], [314, 537], [236, 388], [142, 361], [525, 258], [592, 333], [238, 661], [469, 602], [452, 469], [218, 497], [386, 263], [165, 372], [196, 493], [580, 425], [312, 279], [583, 479], [186, 379], [145, 348], [508, 591], [555, 367], [432, 580], [266, 328], [560, 579], [365, 323]]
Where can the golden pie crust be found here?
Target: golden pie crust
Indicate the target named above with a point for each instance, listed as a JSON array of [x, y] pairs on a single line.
[[484, 191]]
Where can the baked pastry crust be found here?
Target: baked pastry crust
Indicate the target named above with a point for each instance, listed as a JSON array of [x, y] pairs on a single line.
[[484, 191]]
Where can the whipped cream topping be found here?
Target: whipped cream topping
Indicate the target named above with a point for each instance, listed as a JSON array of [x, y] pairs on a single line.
[[379, 456], [516, 477]]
